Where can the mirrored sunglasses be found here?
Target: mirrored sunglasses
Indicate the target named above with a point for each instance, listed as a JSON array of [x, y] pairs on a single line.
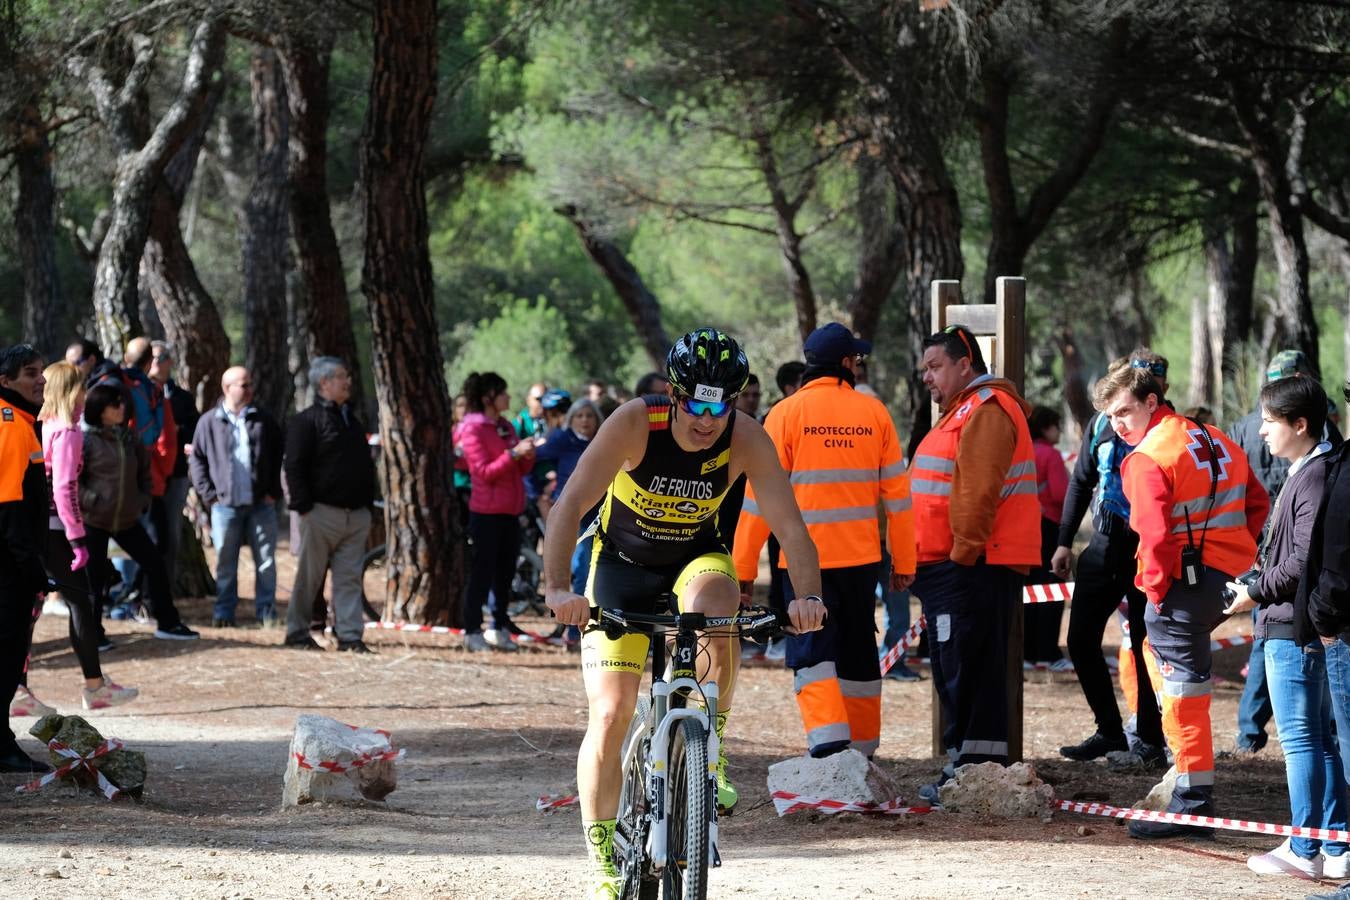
[[697, 408]]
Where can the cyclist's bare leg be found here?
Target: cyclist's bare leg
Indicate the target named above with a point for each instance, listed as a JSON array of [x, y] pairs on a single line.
[[610, 697], [714, 594]]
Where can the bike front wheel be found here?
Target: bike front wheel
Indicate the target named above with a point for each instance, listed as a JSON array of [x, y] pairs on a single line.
[[691, 808], [630, 834]]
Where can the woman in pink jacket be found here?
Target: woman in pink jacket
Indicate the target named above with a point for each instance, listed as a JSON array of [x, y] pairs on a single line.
[[497, 464], [1040, 635], [63, 452]]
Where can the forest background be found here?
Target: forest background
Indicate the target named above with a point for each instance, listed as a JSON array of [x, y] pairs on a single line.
[[552, 189]]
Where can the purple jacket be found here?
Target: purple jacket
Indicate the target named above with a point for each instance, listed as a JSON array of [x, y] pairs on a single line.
[[494, 475]]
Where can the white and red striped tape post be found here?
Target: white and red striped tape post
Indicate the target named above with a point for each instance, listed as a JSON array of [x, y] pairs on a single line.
[[1148, 815], [78, 761], [359, 760], [409, 626], [1055, 592], [550, 802], [894, 654], [1240, 641], [785, 802]]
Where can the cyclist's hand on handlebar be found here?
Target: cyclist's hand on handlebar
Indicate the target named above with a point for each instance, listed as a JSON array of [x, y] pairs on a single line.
[[570, 608], [806, 615]]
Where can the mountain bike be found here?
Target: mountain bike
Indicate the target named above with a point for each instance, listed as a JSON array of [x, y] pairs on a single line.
[[665, 836]]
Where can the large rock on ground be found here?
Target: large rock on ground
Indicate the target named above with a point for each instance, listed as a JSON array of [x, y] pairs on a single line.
[[1161, 795], [124, 768], [848, 776], [319, 740], [1010, 792]]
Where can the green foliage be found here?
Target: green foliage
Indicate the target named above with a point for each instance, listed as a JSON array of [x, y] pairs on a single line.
[[526, 342]]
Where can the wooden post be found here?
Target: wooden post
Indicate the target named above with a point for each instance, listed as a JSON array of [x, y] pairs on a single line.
[[1005, 322]]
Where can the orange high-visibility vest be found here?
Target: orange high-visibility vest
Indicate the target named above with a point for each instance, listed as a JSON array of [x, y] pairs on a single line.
[[842, 454], [19, 449], [1178, 448], [1016, 538]]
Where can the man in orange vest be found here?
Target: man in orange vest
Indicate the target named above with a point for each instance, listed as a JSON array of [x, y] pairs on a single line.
[[1198, 510], [978, 520], [842, 455], [23, 528]]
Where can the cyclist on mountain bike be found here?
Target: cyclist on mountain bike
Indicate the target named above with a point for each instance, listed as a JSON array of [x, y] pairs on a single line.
[[662, 464]]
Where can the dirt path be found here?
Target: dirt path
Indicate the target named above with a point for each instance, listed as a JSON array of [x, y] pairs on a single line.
[[485, 735]]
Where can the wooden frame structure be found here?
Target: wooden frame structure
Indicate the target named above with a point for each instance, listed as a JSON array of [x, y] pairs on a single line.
[[1001, 328]]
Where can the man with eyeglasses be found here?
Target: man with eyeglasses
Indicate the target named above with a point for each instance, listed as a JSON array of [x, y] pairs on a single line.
[[843, 456], [978, 521], [660, 466]]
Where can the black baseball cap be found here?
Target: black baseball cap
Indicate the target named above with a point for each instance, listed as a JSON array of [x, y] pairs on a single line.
[[830, 343]]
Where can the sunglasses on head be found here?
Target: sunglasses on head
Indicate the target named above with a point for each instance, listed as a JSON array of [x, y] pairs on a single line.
[[697, 408], [961, 333], [1156, 369]]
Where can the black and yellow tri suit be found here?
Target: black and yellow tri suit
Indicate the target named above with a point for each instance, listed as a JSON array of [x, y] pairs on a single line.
[[656, 532]]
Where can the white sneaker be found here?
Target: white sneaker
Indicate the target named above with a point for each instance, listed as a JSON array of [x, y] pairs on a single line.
[[777, 650], [475, 642], [109, 694], [500, 639], [1063, 664], [55, 605], [25, 704], [1283, 861], [1337, 867]]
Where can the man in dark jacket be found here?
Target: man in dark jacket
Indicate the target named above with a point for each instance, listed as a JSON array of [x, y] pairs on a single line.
[[166, 511], [236, 470], [1254, 710], [330, 480], [23, 527]]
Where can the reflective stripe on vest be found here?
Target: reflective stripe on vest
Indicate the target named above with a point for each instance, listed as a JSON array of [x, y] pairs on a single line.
[[1015, 539], [1181, 452]]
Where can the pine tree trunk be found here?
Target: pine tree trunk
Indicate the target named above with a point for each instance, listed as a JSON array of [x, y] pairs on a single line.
[[643, 308], [43, 302], [187, 311], [325, 316], [881, 253], [1219, 279], [1202, 371], [425, 560], [143, 154], [266, 239]]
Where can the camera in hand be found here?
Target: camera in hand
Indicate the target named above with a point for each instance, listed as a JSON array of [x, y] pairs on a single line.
[[1247, 578]]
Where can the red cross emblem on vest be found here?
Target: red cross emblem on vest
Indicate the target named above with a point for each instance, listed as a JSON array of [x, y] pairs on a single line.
[[1199, 450]]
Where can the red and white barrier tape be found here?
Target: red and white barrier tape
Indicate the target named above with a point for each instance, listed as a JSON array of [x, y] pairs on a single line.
[[1239, 641], [78, 761], [361, 759], [550, 802], [785, 803], [1056, 592], [409, 626], [894, 654], [1148, 815]]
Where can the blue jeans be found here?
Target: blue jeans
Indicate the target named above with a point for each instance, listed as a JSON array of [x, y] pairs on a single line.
[[230, 526], [1338, 677], [1254, 707], [1301, 698], [895, 604]]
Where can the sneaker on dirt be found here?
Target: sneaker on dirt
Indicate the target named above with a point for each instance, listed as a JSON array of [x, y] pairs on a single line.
[[179, 632]]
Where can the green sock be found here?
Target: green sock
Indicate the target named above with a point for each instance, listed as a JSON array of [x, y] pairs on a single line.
[[720, 725], [600, 845]]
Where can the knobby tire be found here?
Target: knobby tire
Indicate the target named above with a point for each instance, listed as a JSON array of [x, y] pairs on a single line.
[[632, 822], [686, 874]]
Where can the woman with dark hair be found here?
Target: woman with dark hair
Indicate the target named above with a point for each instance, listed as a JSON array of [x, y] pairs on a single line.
[[1040, 636], [497, 463], [114, 493], [1293, 413]]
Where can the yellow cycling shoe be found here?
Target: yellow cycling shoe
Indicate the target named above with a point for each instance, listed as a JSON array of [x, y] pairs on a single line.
[[726, 791], [604, 887]]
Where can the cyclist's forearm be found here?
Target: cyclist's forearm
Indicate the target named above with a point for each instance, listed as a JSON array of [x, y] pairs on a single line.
[[559, 541], [803, 563]]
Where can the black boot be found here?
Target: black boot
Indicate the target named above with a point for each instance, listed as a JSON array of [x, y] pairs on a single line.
[[1095, 747], [12, 759], [1194, 801]]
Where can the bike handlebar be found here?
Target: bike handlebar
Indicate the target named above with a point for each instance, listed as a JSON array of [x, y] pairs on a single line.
[[758, 622]]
